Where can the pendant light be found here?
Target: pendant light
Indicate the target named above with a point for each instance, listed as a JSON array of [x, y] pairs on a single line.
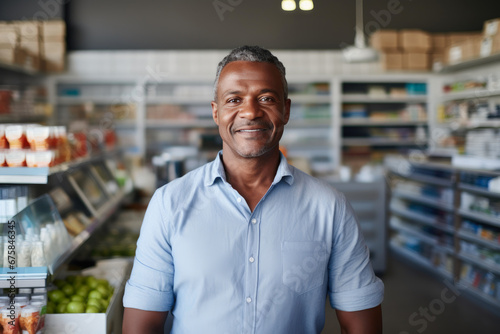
[[306, 4], [288, 5], [359, 52]]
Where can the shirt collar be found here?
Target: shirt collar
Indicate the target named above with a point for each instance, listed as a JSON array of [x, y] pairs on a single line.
[[216, 171]]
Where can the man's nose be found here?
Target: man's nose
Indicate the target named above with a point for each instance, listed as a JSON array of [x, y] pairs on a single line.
[[251, 109]]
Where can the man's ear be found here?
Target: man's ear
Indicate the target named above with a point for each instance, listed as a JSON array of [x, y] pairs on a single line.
[[288, 104], [215, 114]]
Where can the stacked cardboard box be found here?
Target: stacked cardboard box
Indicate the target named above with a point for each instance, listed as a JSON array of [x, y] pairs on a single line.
[[462, 46], [37, 45], [54, 45], [403, 50], [490, 42], [9, 44]]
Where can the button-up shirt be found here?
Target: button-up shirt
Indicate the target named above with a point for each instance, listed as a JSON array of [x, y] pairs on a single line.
[[221, 268]]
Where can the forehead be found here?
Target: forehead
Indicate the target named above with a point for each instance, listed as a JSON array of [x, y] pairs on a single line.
[[249, 73]]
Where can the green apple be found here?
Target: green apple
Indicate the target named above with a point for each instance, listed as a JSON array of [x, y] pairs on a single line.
[[95, 302], [68, 290], [103, 290], [61, 308], [80, 280], [92, 309], [75, 307], [77, 298], [95, 294], [65, 300], [83, 291], [59, 282], [51, 307], [56, 295], [90, 279]]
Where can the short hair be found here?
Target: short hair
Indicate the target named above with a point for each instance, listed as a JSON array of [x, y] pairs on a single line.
[[255, 54]]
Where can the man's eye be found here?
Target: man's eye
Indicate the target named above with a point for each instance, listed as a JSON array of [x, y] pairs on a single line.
[[233, 100], [266, 99]]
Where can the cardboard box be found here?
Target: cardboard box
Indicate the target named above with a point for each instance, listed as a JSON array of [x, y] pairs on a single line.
[[28, 30], [489, 46], [458, 37], [463, 51], [491, 27], [14, 56], [416, 61], [439, 42], [31, 46], [413, 40], [9, 36], [54, 30], [385, 40], [392, 60]]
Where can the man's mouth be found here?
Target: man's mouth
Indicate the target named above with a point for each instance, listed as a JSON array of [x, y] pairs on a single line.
[[250, 130]]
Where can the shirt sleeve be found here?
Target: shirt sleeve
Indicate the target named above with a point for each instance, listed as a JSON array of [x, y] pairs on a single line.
[[352, 283], [150, 286]]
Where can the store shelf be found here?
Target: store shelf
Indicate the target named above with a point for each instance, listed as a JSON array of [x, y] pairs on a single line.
[[471, 94], [380, 122], [76, 100], [470, 289], [180, 123], [423, 219], [370, 141], [363, 98], [478, 190], [424, 179], [433, 241], [323, 123], [103, 215], [22, 118], [18, 69], [40, 175], [434, 202], [470, 64], [480, 217], [472, 237], [417, 258], [28, 277], [310, 99], [493, 267], [203, 100]]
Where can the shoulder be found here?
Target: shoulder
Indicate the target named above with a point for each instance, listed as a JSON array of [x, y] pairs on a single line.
[[186, 185], [316, 187]]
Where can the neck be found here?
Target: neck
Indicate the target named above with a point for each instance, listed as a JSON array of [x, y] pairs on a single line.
[[251, 177]]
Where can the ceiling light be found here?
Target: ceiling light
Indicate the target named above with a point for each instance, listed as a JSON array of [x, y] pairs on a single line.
[[288, 5], [306, 4]]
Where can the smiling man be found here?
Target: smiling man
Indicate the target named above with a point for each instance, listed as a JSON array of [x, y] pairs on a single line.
[[248, 243]]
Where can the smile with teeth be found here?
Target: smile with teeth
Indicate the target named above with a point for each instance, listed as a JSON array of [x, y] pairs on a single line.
[[251, 130]]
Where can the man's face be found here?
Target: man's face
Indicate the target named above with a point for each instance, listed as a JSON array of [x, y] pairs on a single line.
[[250, 108]]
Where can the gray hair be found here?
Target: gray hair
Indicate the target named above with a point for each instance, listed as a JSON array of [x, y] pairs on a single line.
[[251, 53]]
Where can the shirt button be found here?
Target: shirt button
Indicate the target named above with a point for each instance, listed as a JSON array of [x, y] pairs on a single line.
[[251, 259], [249, 300], [238, 199], [254, 221]]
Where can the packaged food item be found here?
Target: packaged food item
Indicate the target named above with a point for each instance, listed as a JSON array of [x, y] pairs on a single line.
[[40, 158], [38, 255], [30, 319], [63, 146], [15, 158], [10, 320], [16, 136], [40, 138], [2, 159], [3, 140], [41, 306]]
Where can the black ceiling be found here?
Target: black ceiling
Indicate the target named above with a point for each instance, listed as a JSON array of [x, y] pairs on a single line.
[[224, 24]]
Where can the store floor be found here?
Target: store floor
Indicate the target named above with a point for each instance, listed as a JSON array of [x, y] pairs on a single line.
[[410, 290]]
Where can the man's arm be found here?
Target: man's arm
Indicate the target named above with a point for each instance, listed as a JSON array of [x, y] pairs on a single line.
[[144, 322], [361, 322]]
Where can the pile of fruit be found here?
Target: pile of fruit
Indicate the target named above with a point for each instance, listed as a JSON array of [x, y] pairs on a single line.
[[79, 294]]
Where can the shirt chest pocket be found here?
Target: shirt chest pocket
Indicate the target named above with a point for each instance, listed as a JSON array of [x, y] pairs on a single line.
[[304, 264]]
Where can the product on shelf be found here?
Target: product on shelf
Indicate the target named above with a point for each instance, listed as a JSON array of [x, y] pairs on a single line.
[[482, 280], [80, 294], [480, 204]]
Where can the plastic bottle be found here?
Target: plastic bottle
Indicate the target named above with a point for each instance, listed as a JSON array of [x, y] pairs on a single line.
[[38, 255]]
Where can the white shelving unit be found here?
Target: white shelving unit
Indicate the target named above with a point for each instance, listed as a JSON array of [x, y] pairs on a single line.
[[474, 246]]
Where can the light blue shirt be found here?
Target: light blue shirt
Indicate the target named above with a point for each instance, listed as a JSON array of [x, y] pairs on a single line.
[[220, 268]]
